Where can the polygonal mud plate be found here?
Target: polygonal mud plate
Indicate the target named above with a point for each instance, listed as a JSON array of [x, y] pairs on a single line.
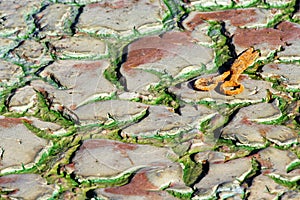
[[43, 101], [224, 176], [79, 46], [245, 134], [248, 17], [198, 29], [22, 99], [83, 81], [93, 159], [162, 121], [106, 18], [102, 111], [30, 53], [25, 98], [17, 17], [19, 146], [7, 44], [248, 133], [147, 184], [213, 157], [56, 19], [277, 161], [261, 112], [244, 128], [287, 73], [255, 91], [166, 56], [282, 135], [270, 38], [25, 186], [263, 187], [290, 53], [9, 73]]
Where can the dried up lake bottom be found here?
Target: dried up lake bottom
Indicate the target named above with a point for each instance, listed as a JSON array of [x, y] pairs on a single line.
[[97, 99]]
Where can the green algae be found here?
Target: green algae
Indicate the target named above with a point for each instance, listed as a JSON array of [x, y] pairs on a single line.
[[53, 81], [47, 160], [69, 23], [252, 173], [291, 183], [21, 60], [53, 166], [162, 96], [5, 96], [186, 76], [112, 73], [3, 99], [191, 171], [221, 43], [120, 180], [230, 146], [175, 13], [99, 97], [156, 140], [50, 157], [45, 113], [47, 134], [180, 195], [113, 126], [293, 165], [205, 125], [283, 107]]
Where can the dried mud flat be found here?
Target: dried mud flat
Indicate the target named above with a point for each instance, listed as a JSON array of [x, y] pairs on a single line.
[[97, 100]]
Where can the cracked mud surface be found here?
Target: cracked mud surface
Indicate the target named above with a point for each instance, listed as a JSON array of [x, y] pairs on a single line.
[[97, 100]]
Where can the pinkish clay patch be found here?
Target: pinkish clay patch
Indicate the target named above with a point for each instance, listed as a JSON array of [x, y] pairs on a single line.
[[284, 34], [88, 66], [139, 185], [141, 56], [152, 49], [10, 122], [236, 17], [94, 144], [112, 5]]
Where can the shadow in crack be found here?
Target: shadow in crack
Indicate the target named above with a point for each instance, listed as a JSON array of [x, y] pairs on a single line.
[[297, 6], [73, 25], [122, 59], [205, 169]]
